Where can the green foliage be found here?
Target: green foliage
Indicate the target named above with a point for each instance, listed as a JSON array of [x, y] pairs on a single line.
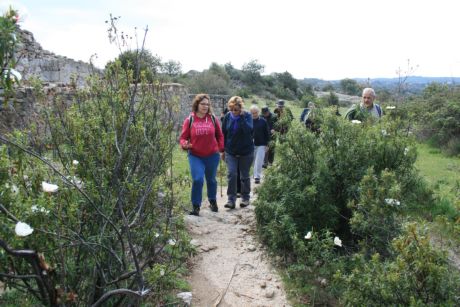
[[353, 180], [113, 221], [350, 87], [8, 43], [214, 80], [418, 276], [437, 115]]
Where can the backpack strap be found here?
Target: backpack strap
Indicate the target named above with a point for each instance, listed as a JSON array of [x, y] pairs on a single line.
[[190, 121], [379, 110]]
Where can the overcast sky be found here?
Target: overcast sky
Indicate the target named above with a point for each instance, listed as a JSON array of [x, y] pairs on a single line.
[[328, 39]]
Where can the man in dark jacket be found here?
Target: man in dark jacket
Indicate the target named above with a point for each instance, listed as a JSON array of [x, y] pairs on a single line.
[[271, 120]]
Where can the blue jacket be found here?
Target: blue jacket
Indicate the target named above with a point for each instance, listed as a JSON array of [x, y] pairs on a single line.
[[261, 133], [238, 142]]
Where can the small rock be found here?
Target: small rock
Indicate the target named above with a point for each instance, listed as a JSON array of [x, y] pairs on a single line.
[[195, 243], [251, 248], [186, 297], [270, 294], [263, 285]]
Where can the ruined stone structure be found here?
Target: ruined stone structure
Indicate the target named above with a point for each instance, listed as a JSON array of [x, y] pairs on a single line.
[[35, 61]]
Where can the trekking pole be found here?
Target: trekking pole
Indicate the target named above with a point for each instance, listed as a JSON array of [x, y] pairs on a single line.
[[220, 178]]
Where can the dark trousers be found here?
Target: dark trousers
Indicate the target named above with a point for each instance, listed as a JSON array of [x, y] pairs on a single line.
[[269, 155]]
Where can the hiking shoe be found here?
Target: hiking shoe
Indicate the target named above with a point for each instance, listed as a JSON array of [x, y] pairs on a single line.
[[195, 211], [229, 205], [257, 180], [238, 195], [213, 204], [244, 203]]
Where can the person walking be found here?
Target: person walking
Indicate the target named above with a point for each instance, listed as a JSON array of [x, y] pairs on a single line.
[[366, 109], [203, 139], [261, 139], [270, 118], [239, 150]]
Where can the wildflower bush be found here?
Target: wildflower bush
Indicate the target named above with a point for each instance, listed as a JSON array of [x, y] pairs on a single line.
[[419, 275], [92, 220], [353, 181]]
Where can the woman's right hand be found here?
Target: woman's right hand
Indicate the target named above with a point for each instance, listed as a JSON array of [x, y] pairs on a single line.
[[186, 146]]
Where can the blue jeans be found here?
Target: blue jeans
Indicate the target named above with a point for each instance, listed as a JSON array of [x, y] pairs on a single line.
[[244, 163], [200, 168]]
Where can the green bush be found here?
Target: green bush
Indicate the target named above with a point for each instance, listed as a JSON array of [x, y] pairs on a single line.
[[111, 233], [317, 176], [419, 275]]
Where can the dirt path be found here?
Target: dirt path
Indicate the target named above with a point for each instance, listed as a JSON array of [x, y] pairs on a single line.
[[231, 268]]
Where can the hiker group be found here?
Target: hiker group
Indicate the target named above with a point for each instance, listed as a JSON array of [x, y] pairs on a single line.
[[243, 139]]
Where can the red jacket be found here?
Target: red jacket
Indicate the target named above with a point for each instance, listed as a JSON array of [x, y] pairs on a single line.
[[203, 137]]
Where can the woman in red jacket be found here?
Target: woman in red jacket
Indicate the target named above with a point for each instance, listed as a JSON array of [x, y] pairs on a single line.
[[202, 137]]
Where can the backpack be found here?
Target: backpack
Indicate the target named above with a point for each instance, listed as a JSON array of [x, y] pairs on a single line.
[[304, 114], [379, 110]]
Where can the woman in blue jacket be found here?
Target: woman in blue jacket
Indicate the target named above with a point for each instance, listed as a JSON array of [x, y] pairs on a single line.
[[239, 150]]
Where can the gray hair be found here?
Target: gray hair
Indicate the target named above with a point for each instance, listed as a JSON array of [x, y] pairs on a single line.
[[254, 108], [369, 90]]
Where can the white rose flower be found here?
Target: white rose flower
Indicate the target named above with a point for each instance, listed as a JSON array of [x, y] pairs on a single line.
[[75, 162], [390, 107], [406, 151], [157, 235], [308, 236], [162, 272], [337, 142], [392, 202], [355, 121], [36, 209], [23, 229], [337, 241], [172, 242], [14, 189], [384, 132], [49, 187]]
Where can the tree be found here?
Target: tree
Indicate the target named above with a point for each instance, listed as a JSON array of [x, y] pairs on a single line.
[[252, 73], [172, 68], [350, 87], [139, 62]]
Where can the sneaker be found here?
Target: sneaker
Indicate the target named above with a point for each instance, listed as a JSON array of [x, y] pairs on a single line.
[[195, 211], [213, 204], [238, 195], [244, 203], [257, 180], [229, 205]]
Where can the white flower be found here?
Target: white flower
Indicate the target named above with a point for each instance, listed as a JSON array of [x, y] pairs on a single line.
[[392, 202], [172, 242], [22, 229], [390, 107], [16, 74], [337, 241], [36, 208], [75, 162], [157, 235], [14, 189], [355, 121], [162, 272], [406, 151], [308, 236], [384, 132], [337, 142], [49, 187]]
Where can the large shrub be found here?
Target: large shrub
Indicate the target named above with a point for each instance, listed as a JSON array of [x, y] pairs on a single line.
[[316, 176], [107, 232], [419, 275]]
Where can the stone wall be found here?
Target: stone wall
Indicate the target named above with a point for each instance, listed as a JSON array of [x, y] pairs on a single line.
[[49, 67]]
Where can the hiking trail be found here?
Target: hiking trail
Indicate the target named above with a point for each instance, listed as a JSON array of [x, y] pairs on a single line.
[[231, 268]]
